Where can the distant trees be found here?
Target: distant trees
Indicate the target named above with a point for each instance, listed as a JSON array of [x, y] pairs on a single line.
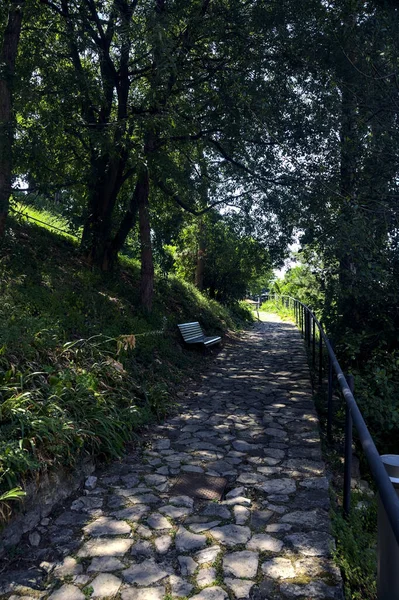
[[220, 258]]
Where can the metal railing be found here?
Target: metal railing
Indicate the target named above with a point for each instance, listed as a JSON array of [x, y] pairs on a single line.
[[384, 469]]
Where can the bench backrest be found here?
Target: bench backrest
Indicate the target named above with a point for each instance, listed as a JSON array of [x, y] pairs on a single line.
[[191, 331]]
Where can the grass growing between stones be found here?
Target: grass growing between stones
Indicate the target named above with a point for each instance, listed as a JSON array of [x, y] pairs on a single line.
[[82, 368], [88, 591], [218, 566]]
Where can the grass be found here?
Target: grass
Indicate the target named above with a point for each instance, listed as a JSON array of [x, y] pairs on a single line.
[[277, 307], [29, 213], [81, 367], [356, 552]]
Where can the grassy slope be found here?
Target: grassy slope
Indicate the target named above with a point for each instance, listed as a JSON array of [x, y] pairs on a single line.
[[64, 389]]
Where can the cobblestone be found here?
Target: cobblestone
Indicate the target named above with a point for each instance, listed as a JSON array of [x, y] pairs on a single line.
[[241, 564], [250, 419], [105, 585]]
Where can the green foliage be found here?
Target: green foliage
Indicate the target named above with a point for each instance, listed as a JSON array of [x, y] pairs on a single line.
[[12, 495], [84, 130], [88, 591], [376, 388], [368, 352], [304, 281], [40, 210], [355, 552], [81, 369], [233, 261], [276, 306], [242, 312]]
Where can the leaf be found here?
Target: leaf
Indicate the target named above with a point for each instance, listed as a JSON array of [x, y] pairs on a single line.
[[14, 494], [126, 342], [115, 364]]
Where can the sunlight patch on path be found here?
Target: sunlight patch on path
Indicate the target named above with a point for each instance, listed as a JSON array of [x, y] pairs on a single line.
[[249, 419]]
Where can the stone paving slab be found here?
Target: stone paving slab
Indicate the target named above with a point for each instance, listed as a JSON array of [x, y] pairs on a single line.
[[249, 419]]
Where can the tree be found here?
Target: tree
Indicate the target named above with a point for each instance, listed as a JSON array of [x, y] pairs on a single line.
[[12, 12], [232, 260], [351, 214], [152, 90]]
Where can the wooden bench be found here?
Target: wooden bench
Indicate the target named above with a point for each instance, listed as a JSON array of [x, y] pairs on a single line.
[[193, 334]]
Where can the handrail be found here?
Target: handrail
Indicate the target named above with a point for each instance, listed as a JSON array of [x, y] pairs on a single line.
[[385, 488]]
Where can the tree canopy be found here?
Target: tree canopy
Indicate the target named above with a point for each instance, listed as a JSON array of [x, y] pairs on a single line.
[[142, 119]]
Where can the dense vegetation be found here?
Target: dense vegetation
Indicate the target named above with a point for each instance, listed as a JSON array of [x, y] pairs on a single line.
[[158, 124]]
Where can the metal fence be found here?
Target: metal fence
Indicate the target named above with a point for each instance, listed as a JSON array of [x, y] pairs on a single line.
[[384, 469]]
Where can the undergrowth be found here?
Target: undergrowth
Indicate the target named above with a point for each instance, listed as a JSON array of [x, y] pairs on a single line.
[[355, 551], [81, 367]]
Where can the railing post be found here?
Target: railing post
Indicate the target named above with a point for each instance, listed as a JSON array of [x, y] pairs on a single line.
[[313, 342], [302, 310], [306, 325], [309, 327], [330, 398], [305, 317], [348, 451], [388, 548], [320, 359]]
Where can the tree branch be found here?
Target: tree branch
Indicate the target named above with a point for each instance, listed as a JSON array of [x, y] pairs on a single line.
[[239, 164], [174, 196]]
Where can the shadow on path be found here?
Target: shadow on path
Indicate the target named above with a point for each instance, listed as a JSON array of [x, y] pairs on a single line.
[[251, 420]]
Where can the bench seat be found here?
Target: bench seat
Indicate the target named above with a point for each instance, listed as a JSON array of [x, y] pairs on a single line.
[[193, 334]]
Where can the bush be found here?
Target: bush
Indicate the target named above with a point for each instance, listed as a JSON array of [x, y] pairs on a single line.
[[242, 313], [376, 389], [355, 553]]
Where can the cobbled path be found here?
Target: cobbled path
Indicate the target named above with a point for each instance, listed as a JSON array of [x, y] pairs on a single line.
[[251, 420]]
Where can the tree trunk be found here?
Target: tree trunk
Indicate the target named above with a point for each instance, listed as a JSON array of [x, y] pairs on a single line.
[[200, 268], [127, 224], [147, 264], [8, 56], [109, 154], [106, 181]]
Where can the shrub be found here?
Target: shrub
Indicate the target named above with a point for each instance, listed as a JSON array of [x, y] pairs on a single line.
[[355, 552]]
